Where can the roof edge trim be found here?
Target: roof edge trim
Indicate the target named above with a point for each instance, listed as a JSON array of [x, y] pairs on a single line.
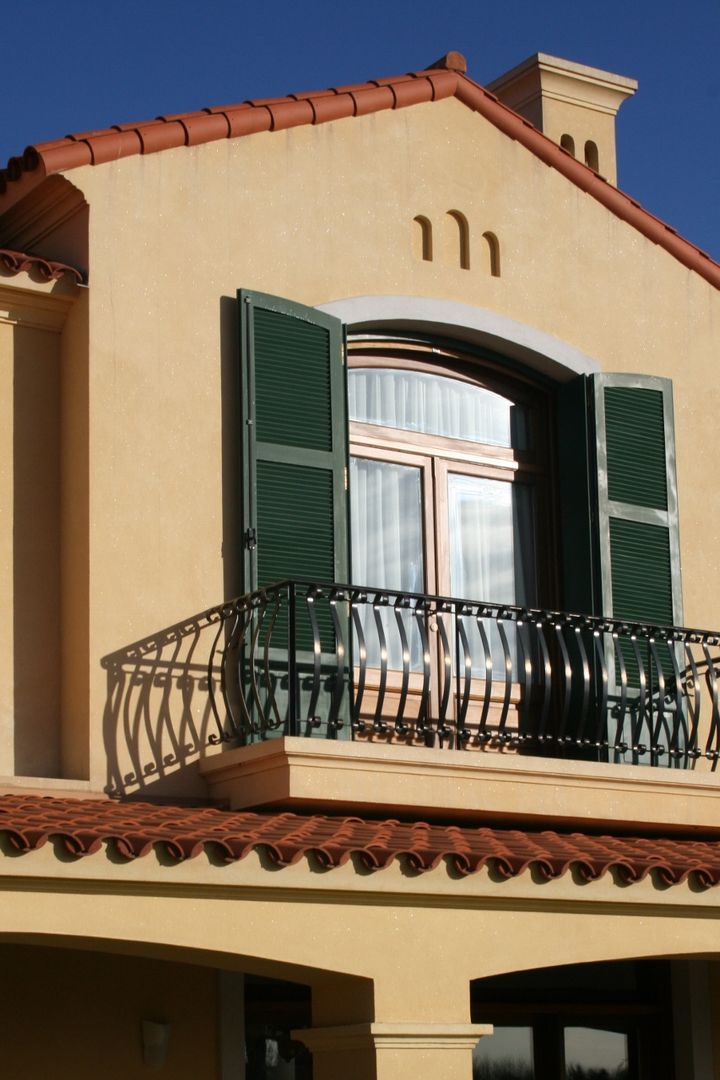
[[18, 262]]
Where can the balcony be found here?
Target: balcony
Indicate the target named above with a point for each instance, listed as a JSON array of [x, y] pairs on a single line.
[[332, 677]]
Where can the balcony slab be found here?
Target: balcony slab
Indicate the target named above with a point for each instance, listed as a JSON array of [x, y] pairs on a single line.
[[338, 777]]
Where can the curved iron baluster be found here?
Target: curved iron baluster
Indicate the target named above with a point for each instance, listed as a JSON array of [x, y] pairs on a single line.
[[334, 722], [259, 612], [271, 707], [638, 747], [483, 734], [567, 687], [602, 690], [546, 668], [694, 704], [658, 724], [400, 605], [243, 726], [507, 655], [314, 721], [525, 665], [463, 646], [581, 738], [443, 728], [714, 732], [621, 747], [678, 741], [379, 725], [420, 614], [358, 692]]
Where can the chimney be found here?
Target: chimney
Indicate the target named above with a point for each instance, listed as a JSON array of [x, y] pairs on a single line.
[[572, 104]]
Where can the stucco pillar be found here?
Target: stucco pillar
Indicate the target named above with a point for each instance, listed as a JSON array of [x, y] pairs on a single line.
[[393, 1051]]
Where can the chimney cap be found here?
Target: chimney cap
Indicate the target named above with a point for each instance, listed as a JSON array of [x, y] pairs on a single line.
[[554, 72]]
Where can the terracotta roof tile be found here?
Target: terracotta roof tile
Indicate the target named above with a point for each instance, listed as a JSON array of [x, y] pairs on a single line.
[[444, 78], [135, 828], [15, 262]]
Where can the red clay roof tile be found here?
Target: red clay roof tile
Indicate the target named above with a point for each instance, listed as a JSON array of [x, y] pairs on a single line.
[[15, 262], [135, 828], [444, 78]]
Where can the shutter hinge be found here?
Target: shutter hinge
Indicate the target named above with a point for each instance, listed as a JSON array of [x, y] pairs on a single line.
[[345, 474], [250, 539]]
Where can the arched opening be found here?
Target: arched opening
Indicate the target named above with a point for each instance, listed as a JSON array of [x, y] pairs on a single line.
[[422, 238], [125, 1008], [568, 143], [460, 245], [493, 253], [132, 1014], [591, 155]]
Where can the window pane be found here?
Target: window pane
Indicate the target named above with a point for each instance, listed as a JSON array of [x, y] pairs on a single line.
[[492, 556], [591, 1052], [387, 548], [436, 405], [492, 540], [505, 1055], [386, 518]]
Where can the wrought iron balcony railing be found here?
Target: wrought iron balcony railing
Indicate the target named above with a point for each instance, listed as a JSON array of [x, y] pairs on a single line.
[[343, 661]]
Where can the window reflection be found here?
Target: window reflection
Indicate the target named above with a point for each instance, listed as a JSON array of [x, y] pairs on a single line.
[[594, 1054], [507, 1054]]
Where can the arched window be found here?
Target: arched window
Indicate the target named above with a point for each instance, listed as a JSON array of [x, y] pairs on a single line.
[[448, 469]]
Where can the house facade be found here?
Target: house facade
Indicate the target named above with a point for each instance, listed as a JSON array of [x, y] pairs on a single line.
[[355, 503]]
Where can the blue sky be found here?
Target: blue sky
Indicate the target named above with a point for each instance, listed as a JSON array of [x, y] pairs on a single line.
[[82, 64]]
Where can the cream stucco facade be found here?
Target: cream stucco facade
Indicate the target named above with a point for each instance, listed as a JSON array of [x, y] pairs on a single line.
[[119, 478]]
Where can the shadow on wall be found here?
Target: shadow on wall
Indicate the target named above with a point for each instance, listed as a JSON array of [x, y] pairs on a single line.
[[158, 716], [158, 719]]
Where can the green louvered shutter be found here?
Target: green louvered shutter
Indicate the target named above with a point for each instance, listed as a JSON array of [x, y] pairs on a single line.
[[618, 501], [637, 517], [618, 498], [295, 515]]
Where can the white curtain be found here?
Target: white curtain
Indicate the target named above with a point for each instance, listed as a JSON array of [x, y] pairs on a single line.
[[435, 404], [491, 540], [492, 555], [387, 547]]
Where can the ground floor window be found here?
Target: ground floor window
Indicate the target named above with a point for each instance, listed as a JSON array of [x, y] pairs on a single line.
[[579, 1022]]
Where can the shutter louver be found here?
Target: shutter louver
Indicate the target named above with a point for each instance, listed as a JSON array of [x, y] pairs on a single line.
[[635, 437]]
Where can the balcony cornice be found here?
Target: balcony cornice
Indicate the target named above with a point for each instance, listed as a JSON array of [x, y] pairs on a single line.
[[371, 777]]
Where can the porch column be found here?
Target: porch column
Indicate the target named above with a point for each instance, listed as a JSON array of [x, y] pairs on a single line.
[[393, 1051]]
